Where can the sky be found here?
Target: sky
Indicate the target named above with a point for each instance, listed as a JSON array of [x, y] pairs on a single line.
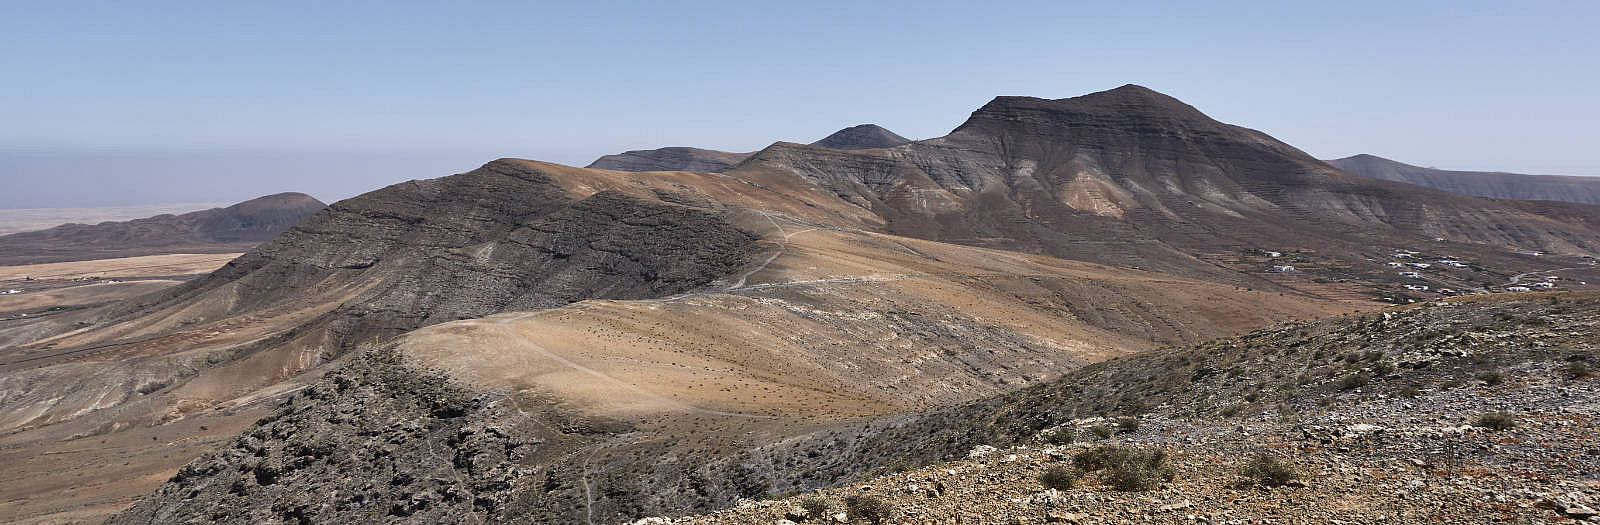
[[119, 103]]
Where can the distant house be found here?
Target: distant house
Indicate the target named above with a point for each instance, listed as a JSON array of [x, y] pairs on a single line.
[[1274, 254], [1282, 268], [1518, 289], [1413, 275], [1403, 254], [1417, 287], [1420, 265], [1396, 265], [1544, 285]]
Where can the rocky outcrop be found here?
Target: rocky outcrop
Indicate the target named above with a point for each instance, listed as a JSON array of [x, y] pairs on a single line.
[[217, 230], [1496, 185], [864, 136]]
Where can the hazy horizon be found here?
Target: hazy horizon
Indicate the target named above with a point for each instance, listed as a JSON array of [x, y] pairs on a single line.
[[173, 102]]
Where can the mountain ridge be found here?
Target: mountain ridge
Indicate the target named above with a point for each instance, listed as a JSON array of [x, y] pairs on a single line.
[[217, 230], [1492, 184]]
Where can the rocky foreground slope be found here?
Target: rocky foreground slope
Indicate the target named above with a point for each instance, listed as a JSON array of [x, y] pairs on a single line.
[[1497, 185], [1476, 411], [235, 228]]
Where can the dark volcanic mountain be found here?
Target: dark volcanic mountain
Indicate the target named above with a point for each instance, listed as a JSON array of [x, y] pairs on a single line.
[[218, 230], [864, 136], [1132, 176], [669, 159], [1481, 183]]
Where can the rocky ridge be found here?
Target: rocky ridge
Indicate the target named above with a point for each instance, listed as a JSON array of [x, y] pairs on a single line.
[[235, 228], [1496, 185]]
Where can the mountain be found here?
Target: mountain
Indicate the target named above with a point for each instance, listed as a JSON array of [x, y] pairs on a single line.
[[669, 159], [541, 343], [1130, 176], [1496, 185], [218, 230], [864, 136]]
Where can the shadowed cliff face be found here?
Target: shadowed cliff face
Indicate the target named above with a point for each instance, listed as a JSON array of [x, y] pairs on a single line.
[[1498, 185], [217, 230]]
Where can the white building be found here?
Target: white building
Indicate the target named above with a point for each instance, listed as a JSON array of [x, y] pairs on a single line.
[[1282, 268]]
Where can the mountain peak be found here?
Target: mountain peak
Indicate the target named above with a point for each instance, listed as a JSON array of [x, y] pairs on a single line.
[[863, 136], [1130, 106]]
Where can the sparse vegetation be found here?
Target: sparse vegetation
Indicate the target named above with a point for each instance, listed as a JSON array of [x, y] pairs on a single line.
[[1577, 370], [1128, 424], [1495, 421], [872, 509], [1059, 477], [1492, 377], [1268, 471], [1100, 431], [1409, 391]]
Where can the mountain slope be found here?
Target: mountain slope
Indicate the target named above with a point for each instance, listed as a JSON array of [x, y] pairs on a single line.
[[1496, 185], [218, 230], [1379, 417]]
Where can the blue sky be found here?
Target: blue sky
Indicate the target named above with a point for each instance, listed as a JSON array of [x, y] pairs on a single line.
[[145, 102]]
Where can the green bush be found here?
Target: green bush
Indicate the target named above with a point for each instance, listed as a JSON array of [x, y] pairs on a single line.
[[1495, 421], [1128, 424], [1126, 469], [1492, 377], [1059, 478], [1409, 391], [1577, 370], [1354, 381], [1141, 472], [871, 508], [1268, 471], [1060, 436], [817, 506], [1100, 431]]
